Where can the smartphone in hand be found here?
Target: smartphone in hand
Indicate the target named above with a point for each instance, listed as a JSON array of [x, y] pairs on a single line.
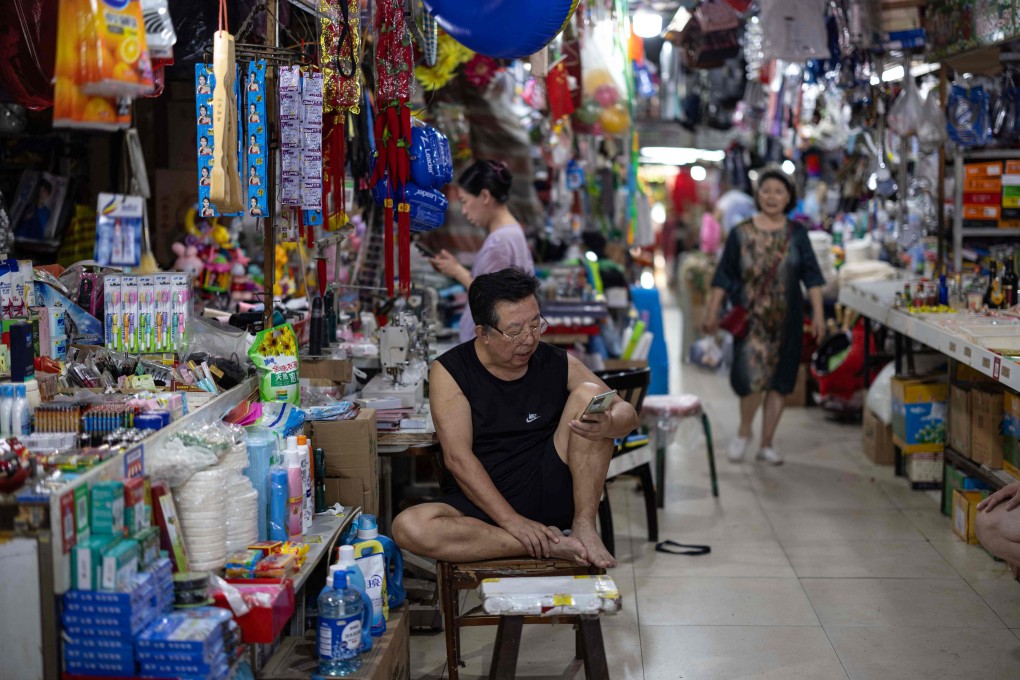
[[600, 403], [423, 250]]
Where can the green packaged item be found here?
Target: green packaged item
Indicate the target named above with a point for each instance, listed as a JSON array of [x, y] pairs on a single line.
[[81, 512], [148, 542], [87, 561], [120, 565], [274, 354], [107, 508]]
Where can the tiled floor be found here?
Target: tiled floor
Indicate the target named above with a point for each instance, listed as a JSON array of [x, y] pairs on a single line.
[[827, 567]]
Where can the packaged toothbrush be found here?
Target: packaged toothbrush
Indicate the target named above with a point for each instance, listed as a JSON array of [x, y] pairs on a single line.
[[163, 283], [129, 300], [146, 313], [112, 311], [180, 300]]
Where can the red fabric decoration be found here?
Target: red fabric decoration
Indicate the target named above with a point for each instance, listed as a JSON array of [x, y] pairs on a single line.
[[558, 92]]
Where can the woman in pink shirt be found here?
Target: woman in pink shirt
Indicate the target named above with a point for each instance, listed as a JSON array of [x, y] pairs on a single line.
[[484, 191]]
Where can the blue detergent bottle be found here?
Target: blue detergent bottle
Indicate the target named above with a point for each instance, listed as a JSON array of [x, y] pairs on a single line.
[[356, 580], [368, 530]]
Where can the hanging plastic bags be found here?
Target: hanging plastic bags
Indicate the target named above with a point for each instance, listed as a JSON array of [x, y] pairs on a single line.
[[931, 131], [905, 114]]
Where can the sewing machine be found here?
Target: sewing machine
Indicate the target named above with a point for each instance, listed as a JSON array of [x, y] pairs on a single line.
[[403, 348]]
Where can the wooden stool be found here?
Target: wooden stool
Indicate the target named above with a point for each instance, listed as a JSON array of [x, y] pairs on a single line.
[[454, 577], [667, 411]]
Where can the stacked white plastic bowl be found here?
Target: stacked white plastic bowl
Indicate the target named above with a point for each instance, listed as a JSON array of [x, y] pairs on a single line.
[[202, 508], [821, 243], [242, 513]]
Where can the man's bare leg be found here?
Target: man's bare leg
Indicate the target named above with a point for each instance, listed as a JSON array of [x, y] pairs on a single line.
[[588, 462], [442, 532]]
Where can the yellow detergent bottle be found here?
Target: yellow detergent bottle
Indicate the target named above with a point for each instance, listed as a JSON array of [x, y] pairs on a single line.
[[370, 556]]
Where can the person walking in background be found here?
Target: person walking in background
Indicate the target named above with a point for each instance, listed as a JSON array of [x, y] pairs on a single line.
[[764, 262], [484, 188]]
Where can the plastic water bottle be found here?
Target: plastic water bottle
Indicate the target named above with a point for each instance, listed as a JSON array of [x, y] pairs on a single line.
[[21, 419], [340, 621], [6, 406]]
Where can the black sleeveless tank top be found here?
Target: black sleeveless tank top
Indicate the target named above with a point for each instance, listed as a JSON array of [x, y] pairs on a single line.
[[512, 420]]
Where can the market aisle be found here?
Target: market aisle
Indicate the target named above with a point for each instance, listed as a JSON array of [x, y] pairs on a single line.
[[825, 567]]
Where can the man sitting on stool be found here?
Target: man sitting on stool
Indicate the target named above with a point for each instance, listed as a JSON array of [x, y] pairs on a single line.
[[998, 525], [506, 407]]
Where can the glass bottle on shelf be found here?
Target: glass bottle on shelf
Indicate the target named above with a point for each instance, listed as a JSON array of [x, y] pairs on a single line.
[[1009, 283], [991, 282]]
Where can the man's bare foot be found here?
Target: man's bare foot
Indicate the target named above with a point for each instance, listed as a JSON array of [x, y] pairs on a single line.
[[569, 548], [596, 550]]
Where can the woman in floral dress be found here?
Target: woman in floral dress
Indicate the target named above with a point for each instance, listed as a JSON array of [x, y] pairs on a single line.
[[764, 262]]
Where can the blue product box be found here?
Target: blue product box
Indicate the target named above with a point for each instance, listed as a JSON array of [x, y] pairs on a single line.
[[86, 631], [85, 651], [106, 625], [197, 632], [174, 669], [100, 668]]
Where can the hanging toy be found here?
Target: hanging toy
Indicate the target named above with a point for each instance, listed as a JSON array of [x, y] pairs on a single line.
[[394, 71]]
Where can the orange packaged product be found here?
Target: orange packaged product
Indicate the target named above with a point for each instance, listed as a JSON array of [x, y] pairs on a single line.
[[279, 566], [72, 107], [117, 63]]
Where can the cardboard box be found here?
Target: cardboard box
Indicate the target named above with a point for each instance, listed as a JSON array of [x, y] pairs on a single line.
[[919, 413], [877, 439], [980, 212], [1013, 167], [352, 492], [987, 198], [959, 419], [351, 446], [981, 185], [389, 659], [986, 441], [330, 371], [968, 376], [982, 170], [1011, 430], [799, 396], [957, 480], [964, 512], [924, 468]]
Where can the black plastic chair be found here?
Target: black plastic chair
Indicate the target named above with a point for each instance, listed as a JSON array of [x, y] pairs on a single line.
[[633, 454]]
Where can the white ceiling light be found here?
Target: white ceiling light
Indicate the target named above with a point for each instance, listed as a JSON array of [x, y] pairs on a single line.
[[647, 24], [788, 167], [679, 155], [698, 173]]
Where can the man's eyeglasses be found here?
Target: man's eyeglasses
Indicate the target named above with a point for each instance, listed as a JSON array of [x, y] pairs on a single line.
[[518, 338]]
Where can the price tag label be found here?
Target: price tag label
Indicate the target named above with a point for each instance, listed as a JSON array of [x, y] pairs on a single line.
[[967, 352], [1005, 372], [67, 528], [952, 348], [996, 367]]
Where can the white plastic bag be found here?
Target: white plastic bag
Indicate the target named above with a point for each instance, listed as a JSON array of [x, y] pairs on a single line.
[[931, 131], [905, 114]]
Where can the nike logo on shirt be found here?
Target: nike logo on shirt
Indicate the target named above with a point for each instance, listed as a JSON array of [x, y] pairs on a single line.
[[532, 417]]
